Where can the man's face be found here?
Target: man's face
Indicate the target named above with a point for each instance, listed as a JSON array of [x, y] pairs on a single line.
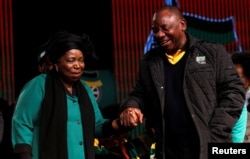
[[169, 31]]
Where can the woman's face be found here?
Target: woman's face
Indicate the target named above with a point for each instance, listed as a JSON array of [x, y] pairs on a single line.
[[71, 65]]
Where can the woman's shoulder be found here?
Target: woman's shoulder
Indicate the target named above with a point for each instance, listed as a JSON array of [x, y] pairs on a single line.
[[85, 84], [37, 80]]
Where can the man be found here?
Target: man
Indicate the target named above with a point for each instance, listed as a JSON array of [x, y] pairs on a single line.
[[187, 90]]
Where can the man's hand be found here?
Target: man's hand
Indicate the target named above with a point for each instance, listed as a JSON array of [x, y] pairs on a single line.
[[130, 117]]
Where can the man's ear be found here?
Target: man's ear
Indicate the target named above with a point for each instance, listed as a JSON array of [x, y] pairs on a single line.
[[183, 24]]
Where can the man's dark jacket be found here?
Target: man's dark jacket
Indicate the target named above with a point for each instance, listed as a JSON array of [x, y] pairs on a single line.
[[212, 88]]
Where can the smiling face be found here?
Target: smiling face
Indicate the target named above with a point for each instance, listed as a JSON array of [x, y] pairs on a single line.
[[71, 66], [169, 30]]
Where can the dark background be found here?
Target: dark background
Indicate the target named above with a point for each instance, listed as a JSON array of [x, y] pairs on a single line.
[[34, 21]]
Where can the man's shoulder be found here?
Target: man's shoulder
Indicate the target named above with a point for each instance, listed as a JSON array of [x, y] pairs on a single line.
[[197, 42], [207, 46]]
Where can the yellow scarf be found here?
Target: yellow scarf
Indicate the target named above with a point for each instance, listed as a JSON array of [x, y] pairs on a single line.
[[173, 59]]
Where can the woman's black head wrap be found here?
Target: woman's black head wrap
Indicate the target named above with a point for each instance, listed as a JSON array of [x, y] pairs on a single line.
[[63, 41]]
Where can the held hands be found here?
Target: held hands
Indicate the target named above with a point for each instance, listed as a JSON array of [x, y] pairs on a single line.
[[130, 117]]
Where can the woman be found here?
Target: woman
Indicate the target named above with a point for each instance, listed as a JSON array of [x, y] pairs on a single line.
[[56, 115]]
